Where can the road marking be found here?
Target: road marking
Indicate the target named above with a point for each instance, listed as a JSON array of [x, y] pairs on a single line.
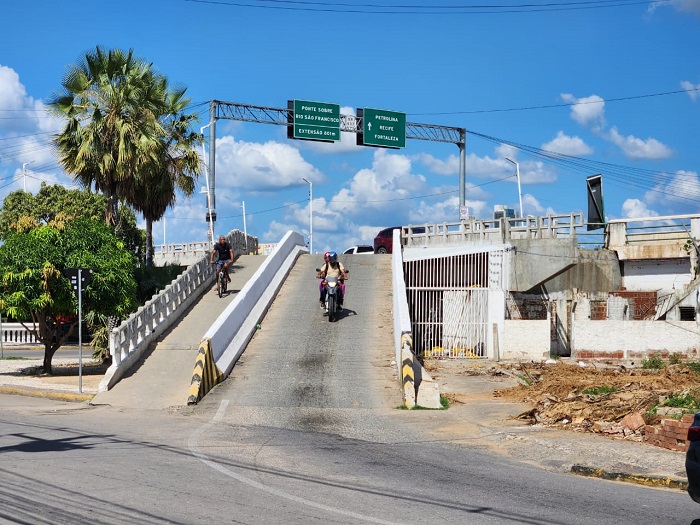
[[218, 417]]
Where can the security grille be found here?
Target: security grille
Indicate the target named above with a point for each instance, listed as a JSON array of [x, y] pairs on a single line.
[[448, 300]]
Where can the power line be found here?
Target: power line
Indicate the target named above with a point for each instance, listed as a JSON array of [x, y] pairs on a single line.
[[400, 9]]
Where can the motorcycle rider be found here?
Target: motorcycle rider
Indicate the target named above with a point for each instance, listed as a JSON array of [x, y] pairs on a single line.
[[321, 288], [333, 268], [225, 255]]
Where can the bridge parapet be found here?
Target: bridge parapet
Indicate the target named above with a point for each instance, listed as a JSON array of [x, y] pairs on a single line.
[[187, 253], [499, 231], [668, 237]]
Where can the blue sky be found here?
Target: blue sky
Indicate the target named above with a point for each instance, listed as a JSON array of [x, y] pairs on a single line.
[[614, 85]]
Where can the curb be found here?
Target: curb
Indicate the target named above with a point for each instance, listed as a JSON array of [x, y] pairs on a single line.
[[47, 394], [649, 481]]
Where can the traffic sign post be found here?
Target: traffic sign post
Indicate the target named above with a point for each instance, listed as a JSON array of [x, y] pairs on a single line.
[[382, 128], [79, 279], [315, 121]]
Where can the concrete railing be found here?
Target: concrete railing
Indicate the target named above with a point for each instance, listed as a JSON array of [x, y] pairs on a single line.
[[672, 236], [129, 341], [493, 230], [16, 334], [187, 253], [131, 338]]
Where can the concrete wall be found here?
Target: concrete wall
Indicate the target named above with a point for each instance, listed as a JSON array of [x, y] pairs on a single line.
[[633, 339], [526, 340], [230, 333], [663, 275]]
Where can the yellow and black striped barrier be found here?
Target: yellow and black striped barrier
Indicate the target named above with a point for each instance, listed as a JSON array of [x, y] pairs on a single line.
[[205, 375], [407, 372]]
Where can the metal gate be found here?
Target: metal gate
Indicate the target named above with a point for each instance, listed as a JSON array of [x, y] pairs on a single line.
[[448, 300]]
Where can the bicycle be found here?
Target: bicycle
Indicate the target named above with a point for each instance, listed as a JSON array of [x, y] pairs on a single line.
[[221, 278]]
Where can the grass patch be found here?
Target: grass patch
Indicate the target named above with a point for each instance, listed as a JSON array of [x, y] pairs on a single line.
[[599, 390], [685, 400], [675, 359], [653, 362], [694, 366], [14, 358]]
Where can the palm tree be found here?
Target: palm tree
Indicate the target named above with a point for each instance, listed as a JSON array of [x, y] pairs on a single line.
[[175, 166], [112, 102]]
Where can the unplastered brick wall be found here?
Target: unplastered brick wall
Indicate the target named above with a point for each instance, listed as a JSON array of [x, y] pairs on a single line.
[[642, 304], [599, 310], [671, 433], [526, 308]]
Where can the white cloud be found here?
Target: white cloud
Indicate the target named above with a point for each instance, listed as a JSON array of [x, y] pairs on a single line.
[[567, 145], [636, 148], [261, 167], [692, 89], [450, 166], [684, 6], [636, 209], [587, 111], [679, 194]]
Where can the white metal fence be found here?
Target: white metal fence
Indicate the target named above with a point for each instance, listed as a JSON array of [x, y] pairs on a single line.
[[448, 299]]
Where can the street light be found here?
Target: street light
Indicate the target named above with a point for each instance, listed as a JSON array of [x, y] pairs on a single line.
[[210, 219], [245, 230], [520, 193], [311, 216], [24, 174]]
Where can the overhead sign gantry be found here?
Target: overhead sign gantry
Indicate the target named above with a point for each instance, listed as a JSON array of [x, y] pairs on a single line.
[[322, 121]]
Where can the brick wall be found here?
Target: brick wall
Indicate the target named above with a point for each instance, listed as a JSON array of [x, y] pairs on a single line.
[[670, 434], [599, 310], [531, 309], [643, 304]]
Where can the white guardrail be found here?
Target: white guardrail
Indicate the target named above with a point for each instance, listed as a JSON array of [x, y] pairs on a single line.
[[15, 334], [130, 339]]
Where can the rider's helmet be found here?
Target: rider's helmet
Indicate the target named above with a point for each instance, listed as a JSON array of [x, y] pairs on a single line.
[[327, 256], [333, 257]]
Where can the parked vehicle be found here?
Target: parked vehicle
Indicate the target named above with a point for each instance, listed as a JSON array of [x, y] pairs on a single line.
[[385, 238], [692, 459], [361, 248]]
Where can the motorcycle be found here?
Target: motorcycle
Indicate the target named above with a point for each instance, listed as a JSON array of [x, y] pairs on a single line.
[[333, 287]]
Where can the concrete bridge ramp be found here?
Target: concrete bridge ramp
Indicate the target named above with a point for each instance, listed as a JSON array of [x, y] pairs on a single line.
[[162, 377]]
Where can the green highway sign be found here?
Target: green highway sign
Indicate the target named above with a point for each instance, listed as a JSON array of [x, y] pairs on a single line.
[[383, 128], [316, 121]]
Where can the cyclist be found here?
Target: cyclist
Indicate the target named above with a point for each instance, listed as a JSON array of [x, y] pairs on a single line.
[[225, 255]]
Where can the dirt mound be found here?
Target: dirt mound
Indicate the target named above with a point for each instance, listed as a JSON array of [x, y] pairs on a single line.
[[591, 398]]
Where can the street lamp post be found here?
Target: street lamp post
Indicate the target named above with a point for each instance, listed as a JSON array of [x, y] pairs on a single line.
[[245, 230], [311, 216], [520, 193], [24, 174], [210, 219]]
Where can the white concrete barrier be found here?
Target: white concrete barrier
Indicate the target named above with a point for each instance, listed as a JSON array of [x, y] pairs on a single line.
[[230, 333]]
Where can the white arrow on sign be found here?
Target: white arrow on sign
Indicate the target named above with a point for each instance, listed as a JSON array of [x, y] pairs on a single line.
[[369, 126]]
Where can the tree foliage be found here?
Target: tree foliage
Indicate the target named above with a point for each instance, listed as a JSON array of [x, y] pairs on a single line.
[[54, 205], [111, 101], [34, 285]]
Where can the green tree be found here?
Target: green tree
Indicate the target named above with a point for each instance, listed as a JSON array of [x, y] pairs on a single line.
[[176, 166], [111, 101], [53, 204], [34, 286]]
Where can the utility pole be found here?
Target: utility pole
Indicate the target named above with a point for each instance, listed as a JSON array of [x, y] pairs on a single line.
[[24, 174], [520, 193]]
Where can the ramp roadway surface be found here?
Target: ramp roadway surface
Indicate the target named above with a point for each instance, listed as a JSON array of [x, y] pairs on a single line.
[[161, 378]]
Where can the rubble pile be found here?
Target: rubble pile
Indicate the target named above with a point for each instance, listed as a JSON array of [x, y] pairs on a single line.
[[613, 400]]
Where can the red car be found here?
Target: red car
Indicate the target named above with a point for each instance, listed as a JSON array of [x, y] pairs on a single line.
[[385, 239]]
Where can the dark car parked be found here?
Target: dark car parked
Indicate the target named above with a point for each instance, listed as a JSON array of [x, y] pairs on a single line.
[[385, 238], [692, 459]]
